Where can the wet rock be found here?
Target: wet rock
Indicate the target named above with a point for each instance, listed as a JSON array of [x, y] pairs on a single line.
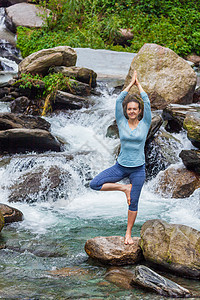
[[42, 181], [175, 247], [192, 125], [112, 250], [81, 74], [2, 221], [40, 61], [20, 105], [177, 182], [7, 98], [149, 279], [175, 115], [21, 140], [191, 159], [79, 88], [119, 276], [112, 131], [11, 121], [166, 77], [154, 159], [196, 96], [10, 214], [3, 92], [26, 15], [155, 126], [65, 100]]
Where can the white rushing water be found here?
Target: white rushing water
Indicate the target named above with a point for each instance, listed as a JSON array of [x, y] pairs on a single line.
[[85, 130]]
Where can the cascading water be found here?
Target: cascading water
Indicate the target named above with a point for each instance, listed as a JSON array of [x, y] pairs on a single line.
[[9, 55], [57, 223]]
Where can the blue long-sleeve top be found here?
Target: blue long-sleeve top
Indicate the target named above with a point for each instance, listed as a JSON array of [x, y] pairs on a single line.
[[132, 141]]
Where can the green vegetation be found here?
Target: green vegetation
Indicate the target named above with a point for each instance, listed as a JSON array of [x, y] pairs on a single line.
[[96, 23], [53, 82]]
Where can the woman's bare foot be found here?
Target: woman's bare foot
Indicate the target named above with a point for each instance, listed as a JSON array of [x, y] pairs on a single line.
[[128, 240], [127, 191]]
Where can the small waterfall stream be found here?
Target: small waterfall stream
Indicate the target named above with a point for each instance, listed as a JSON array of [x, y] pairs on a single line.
[[57, 222]]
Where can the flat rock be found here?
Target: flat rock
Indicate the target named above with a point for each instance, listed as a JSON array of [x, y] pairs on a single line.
[[11, 121], [172, 246], [23, 140], [26, 15], [149, 279], [166, 77], [41, 61], [10, 214], [177, 182], [191, 159], [112, 250]]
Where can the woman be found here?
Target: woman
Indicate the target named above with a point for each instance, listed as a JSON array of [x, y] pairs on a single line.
[[131, 160]]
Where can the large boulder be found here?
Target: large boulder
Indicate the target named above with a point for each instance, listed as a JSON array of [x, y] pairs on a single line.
[[40, 61], [166, 77], [29, 186], [81, 74], [111, 250], [151, 280], [25, 14], [175, 114], [175, 247], [22, 140], [10, 214], [191, 159], [11, 121], [177, 182], [192, 125]]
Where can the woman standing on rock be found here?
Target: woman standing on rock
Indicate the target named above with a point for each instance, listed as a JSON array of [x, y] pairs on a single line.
[[131, 160]]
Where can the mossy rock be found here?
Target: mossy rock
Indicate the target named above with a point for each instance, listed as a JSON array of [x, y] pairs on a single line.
[[192, 125], [2, 221]]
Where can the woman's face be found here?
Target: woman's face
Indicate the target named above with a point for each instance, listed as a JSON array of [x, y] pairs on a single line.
[[133, 110]]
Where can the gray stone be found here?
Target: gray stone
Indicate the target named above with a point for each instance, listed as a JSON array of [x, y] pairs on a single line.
[[25, 14], [149, 279]]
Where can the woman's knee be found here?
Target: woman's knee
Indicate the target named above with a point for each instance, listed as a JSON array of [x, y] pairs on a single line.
[[133, 206], [94, 185]]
